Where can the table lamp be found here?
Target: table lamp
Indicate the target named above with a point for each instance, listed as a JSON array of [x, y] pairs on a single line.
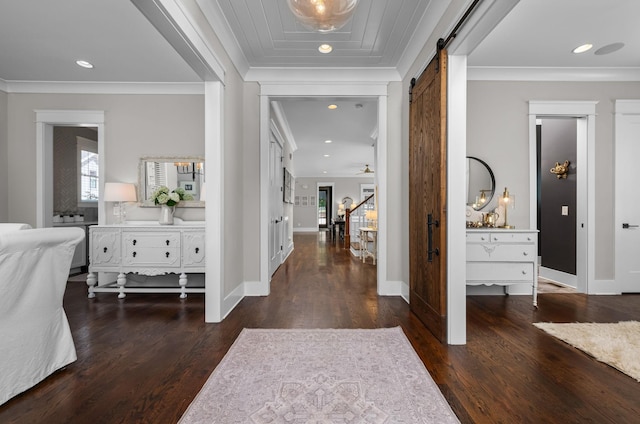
[[119, 192]]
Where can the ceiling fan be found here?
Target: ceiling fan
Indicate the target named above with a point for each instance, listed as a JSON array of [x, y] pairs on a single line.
[[366, 170]]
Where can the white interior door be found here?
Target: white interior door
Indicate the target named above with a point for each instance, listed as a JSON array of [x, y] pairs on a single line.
[[627, 199], [276, 207]]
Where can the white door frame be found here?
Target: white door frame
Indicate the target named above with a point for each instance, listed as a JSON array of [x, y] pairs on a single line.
[[45, 121], [585, 220], [269, 92], [333, 189]]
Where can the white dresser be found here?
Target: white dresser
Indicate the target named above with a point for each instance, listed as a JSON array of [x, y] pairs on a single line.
[[503, 257], [146, 250]]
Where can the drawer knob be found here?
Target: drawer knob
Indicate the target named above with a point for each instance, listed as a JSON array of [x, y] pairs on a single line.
[[167, 254], [481, 238], [134, 242], [167, 242], [105, 250], [525, 253], [524, 272], [197, 249], [134, 254]]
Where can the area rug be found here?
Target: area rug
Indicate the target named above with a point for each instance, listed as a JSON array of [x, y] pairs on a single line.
[[614, 344], [320, 376]]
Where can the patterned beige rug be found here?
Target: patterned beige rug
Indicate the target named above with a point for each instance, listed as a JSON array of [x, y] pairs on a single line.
[[614, 344], [320, 376]]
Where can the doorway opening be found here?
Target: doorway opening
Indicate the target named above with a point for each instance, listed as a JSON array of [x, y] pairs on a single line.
[[557, 206], [276, 92], [583, 114], [325, 210]]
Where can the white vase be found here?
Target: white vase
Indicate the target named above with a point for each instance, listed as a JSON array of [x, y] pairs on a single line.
[[166, 215]]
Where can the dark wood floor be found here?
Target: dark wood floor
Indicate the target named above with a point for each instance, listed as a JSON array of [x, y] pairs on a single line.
[[142, 360]]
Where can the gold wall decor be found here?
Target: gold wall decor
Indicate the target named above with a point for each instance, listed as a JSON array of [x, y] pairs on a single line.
[[561, 171]]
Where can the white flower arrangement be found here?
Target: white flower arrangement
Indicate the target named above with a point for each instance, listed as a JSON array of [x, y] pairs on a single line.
[[162, 196]]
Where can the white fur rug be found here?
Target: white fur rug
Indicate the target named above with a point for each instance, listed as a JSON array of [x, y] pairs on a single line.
[[617, 345], [320, 376]]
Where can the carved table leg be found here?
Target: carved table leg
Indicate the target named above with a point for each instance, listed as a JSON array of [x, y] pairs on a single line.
[[91, 282], [122, 280], [183, 284]]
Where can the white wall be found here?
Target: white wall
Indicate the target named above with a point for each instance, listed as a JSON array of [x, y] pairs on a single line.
[[135, 126], [498, 133], [4, 168]]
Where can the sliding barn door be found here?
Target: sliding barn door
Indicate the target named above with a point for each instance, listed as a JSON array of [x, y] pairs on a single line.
[[427, 197]]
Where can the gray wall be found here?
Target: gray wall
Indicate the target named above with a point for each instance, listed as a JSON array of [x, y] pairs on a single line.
[[135, 126], [498, 133], [4, 166], [557, 238]]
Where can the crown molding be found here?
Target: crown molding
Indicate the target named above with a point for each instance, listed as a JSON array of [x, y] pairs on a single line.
[[3, 86], [296, 75], [74, 87], [220, 25], [423, 31], [488, 73]]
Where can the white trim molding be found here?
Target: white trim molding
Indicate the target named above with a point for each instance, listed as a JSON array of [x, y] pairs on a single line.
[[45, 120], [488, 73], [75, 87]]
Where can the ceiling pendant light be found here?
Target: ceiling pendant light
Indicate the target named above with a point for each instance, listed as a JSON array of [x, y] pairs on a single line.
[[323, 15]]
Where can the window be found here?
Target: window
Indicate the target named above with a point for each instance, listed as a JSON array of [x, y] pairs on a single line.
[[88, 171]]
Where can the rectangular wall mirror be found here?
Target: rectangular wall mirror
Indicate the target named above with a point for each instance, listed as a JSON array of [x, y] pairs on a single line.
[[173, 172]]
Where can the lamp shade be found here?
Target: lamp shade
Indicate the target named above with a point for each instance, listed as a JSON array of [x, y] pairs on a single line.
[[323, 15], [119, 192]]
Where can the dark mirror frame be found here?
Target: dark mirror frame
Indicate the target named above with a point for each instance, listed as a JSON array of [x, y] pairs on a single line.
[[491, 192]]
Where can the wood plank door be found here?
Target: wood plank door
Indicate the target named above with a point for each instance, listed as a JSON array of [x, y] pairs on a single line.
[[427, 197]]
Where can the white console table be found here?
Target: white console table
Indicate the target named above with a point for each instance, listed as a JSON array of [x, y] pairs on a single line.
[[147, 249], [503, 257]]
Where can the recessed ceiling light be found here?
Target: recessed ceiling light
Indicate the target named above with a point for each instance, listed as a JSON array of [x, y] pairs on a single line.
[[84, 64], [324, 172], [326, 156], [325, 48], [583, 48], [332, 107], [328, 141]]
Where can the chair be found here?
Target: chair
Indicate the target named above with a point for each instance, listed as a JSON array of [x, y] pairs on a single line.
[[34, 331]]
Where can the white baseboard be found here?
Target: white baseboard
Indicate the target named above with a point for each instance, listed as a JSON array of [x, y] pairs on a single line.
[[392, 288], [562, 278], [305, 230], [255, 288], [232, 300], [604, 287]]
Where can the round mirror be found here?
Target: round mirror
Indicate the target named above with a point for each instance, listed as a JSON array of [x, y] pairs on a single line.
[[481, 183]]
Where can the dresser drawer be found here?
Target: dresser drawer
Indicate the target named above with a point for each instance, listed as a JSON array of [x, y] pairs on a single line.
[[478, 237], [499, 237], [151, 256], [501, 252], [499, 272], [159, 240]]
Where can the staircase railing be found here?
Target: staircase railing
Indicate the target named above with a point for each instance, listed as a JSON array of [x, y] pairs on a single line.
[[347, 218]]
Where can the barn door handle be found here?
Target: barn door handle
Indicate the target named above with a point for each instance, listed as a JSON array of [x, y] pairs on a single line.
[[430, 224], [625, 225]]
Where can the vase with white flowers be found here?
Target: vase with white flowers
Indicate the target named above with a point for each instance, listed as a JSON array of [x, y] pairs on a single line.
[[168, 200]]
